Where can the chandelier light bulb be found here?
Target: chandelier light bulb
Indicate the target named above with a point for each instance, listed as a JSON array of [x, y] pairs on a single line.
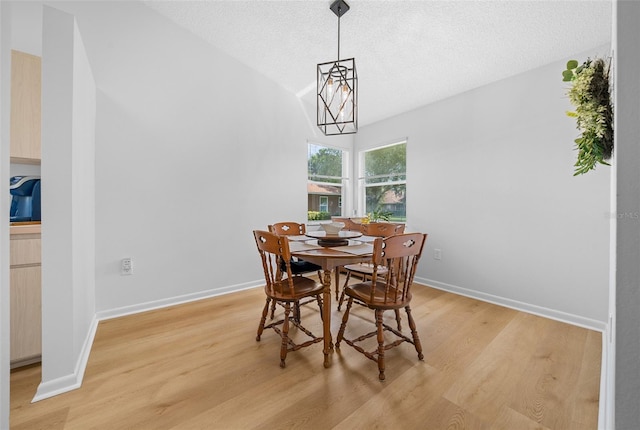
[[329, 87], [345, 93]]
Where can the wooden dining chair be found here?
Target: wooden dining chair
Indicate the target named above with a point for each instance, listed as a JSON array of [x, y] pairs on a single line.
[[349, 224], [283, 287], [291, 228], [298, 267], [364, 270], [399, 254]]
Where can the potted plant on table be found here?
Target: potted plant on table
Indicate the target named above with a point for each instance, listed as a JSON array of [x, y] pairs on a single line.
[[376, 216]]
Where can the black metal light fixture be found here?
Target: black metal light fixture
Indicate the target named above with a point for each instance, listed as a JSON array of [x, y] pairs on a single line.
[[337, 101]]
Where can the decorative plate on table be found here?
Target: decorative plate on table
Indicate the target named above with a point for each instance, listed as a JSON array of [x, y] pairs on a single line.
[[339, 239]]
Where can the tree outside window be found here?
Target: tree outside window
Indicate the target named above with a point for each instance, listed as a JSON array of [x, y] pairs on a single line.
[[384, 182]]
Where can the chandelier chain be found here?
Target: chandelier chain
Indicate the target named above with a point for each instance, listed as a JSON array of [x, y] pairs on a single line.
[[338, 38]]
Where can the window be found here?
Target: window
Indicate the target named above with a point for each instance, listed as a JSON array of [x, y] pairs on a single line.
[[326, 179], [383, 182], [324, 204]]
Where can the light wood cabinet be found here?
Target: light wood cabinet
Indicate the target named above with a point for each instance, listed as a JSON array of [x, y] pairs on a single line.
[[25, 250], [26, 90], [26, 302]]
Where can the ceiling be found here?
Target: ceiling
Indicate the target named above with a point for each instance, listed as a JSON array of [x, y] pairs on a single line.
[[408, 53]]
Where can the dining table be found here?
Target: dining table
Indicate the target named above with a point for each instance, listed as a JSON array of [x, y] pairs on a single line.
[[331, 252]]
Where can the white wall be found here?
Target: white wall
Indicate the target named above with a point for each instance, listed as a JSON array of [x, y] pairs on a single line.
[[627, 294], [489, 178], [68, 214], [83, 191], [26, 36], [193, 151], [26, 28], [5, 88]]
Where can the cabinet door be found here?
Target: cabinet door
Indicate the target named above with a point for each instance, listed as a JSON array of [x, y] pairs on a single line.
[[26, 313], [26, 88], [25, 249]]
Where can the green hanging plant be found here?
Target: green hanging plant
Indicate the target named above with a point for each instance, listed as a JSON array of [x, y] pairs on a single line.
[[589, 93]]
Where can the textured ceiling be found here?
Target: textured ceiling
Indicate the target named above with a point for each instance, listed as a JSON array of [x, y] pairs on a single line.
[[408, 53]]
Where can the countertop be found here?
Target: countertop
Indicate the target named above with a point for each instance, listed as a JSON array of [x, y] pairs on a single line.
[[24, 228]]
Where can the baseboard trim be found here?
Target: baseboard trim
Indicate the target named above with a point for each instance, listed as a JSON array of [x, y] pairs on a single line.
[[568, 318], [74, 380], [172, 301]]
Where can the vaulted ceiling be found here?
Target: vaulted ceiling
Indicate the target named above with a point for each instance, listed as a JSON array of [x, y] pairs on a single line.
[[408, 53]]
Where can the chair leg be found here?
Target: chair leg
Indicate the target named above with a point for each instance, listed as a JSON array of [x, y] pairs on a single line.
[[346, 282], [319, 300], [380, 328], [263, 319], [345, 317], [337, 269], [296, 312], [398, 321], [414, 333], [273, 309], [285, 334]]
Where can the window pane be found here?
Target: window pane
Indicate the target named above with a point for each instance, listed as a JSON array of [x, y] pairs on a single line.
[[383, 182], [325, 164], [325, 182], [389, 200], [324, 204], [386, 164]]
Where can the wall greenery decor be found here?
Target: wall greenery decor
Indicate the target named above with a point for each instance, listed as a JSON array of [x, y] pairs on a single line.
[[590, 94]]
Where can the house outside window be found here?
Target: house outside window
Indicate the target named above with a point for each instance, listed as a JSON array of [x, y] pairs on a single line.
[[326, 181], [383, 181]]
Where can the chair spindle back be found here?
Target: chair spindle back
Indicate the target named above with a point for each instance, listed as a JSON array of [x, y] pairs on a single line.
[[276, 261], [399, 254], [381, 229], [288, 228]]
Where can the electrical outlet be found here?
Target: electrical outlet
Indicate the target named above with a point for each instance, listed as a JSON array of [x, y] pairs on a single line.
[[437, 254], [126, 268]]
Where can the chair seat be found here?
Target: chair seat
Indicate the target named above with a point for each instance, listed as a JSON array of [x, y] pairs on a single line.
[[304, 287], [362, 293], [365, 268]]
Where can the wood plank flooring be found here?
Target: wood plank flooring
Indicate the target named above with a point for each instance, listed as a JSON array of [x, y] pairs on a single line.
[[198, 366]]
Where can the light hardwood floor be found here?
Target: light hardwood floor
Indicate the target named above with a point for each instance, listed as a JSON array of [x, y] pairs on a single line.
[[198, 366]]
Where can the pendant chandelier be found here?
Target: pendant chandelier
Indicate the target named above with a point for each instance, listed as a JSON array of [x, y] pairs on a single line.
[[337, 101]]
